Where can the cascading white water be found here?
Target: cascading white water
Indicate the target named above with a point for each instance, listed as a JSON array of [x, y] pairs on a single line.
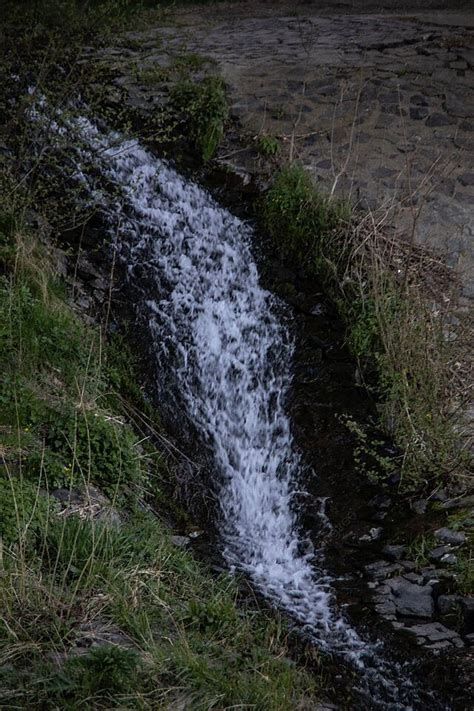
[[232, 362], [231, 356]]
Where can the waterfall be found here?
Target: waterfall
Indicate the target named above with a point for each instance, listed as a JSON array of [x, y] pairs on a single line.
[[208, 316]]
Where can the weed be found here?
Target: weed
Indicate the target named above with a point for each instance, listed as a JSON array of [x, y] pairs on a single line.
[[105, 671], [203, 108], [268, 145], [392, 327]]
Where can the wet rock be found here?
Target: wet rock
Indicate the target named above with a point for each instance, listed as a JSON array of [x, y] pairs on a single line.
[[373, 535], [435, 632], [411, 599], [469, 639], [436, 554], [449, 559], [393, 552], [446, 535], [381, 570]]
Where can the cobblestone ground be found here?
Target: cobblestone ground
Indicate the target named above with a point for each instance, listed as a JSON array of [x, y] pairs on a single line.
[[379, 107]]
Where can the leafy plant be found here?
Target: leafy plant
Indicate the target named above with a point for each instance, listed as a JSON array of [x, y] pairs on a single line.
[[268, 145], [204, 110]]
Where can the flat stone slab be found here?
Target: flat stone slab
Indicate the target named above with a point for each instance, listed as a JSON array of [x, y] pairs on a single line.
[[411, 599], [379, 108]]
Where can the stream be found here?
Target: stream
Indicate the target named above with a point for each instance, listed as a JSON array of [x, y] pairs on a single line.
[[230, 345]]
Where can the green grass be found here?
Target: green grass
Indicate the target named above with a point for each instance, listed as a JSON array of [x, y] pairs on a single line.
[[392, 327], [181, 635]]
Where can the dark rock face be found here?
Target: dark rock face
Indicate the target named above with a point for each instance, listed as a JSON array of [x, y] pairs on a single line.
[[448, 604], [436, 635], [411, 599]]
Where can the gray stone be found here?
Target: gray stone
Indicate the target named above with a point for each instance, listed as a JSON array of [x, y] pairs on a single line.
[[469, 638], [411, 600], [436, 120], [393, 552], [438, 645], [418, 113], [434, 632], [437, 553], [419, 99], [419, 507], [381, 570], [447, 535], [467, 606], [434, 575], [414, 578], [447, 604], [466, 179], [408, 564], [373, 535], [449, 559]]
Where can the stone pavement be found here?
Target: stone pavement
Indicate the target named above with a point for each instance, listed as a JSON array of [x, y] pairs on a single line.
[[379, 107]]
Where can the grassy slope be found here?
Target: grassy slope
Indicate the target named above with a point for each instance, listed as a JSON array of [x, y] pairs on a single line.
[[82, 557], [393, 328], [167, 632]]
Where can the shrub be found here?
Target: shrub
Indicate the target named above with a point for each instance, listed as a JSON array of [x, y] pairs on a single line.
[[303, 220], [203, 107], [268, 145]]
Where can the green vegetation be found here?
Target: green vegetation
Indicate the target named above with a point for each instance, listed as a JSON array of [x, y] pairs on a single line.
[[392, 327], [99, 608], [268, 145], [87, 561], [203, 109]]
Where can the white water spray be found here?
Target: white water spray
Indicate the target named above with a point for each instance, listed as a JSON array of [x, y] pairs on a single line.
[[233, 369], [232, 359]]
